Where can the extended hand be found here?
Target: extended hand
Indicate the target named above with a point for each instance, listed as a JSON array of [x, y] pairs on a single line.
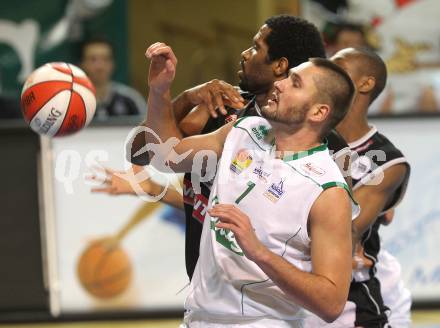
[[121, 183], [162, 67], [215, 94], [232, 218]]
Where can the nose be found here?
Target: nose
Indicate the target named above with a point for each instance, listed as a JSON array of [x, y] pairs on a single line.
[[245, 54], [278, 85]]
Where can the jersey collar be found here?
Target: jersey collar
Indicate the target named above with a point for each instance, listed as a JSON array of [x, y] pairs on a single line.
[[364, 138], [305, 153]]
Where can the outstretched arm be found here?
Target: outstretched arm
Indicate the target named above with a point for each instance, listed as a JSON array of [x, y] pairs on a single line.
[[323, 291], [166, 147], [121, 183]]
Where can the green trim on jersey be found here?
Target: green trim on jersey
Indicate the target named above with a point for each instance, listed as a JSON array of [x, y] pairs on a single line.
[[258, 142], [250, 135], [305, 153], [239, 120], [305, 176], [341, 185]]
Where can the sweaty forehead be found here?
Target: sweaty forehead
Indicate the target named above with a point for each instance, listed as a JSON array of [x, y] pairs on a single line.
[[304, 70]]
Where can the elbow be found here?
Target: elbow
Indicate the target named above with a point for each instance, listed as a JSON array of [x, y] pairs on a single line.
[[332, 311]]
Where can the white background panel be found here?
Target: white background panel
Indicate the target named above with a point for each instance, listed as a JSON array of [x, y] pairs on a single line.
[[413, 236], [155, 246]]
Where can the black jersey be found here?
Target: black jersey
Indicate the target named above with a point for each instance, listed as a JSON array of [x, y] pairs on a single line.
[[371, 155], [196, 204]]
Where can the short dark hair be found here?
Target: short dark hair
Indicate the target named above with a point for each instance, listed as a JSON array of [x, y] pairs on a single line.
[[94, 40], [372, 65], [293, 38], [336, 89], [332, 30]]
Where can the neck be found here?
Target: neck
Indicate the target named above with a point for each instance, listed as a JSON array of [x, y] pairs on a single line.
[[102, 90], [288, 140], [355, 124], [262, 98]]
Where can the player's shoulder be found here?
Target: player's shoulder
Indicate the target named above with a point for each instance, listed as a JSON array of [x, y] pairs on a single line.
[[383, 143], [253, 129], [257, 126], [317, 165]]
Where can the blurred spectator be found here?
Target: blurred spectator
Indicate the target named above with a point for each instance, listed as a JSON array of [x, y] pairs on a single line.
[[113, 99], [342, 35], [428, 102]]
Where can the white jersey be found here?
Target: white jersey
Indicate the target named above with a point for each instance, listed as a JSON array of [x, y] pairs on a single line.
[[277, 195], [394, 293]]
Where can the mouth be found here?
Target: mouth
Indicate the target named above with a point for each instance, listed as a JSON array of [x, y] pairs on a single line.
[[241, 70], [274, 97]]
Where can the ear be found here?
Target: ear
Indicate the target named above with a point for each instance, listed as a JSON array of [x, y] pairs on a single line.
[[366, 84], [319, 113], [281, 67]]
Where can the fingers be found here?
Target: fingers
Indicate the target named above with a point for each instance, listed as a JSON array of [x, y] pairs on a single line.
[[216, 94], [230, 214], [218, 101], [232, 95], [222, 225], [161, 49], [222, 92]]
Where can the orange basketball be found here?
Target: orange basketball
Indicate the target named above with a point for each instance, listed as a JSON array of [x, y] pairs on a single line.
[[58, 99], [104, 269]]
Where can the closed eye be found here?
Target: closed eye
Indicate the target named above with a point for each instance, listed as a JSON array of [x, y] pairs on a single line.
[[296, 80]]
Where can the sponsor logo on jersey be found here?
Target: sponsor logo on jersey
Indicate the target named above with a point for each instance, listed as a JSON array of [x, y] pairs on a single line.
[[260, 132], [261, 174], [275, 191], [224, 237], [360, 167], [200, 207], [241, 161], [313, 169], [188, 192]]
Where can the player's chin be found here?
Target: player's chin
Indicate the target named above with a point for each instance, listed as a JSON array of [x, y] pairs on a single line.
[[271, 106], [242, 84], [269, 110]]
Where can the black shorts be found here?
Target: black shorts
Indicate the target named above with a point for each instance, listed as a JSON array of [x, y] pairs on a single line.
[[370, 309]]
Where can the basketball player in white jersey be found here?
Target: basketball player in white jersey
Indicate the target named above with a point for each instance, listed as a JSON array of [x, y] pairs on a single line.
[[377, 297], [277, 241]]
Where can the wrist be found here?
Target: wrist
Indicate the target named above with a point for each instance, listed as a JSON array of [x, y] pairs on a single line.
[[160, 91], [154, 189], [262, 255], [187, 99]]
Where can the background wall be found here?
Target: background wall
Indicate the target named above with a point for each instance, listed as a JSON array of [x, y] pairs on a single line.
[[207, 37]]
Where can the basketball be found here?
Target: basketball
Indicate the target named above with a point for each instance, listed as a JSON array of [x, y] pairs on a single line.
[[104, 269], [58, 99]]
